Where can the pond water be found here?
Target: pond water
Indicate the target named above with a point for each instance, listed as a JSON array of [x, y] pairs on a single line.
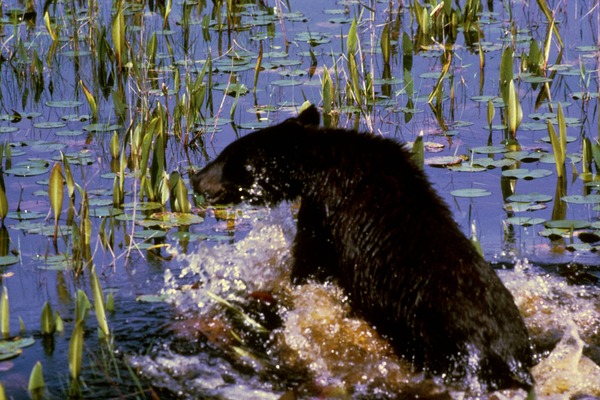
[[128, 94]]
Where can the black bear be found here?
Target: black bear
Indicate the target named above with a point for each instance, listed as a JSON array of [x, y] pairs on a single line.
[[370, 221]]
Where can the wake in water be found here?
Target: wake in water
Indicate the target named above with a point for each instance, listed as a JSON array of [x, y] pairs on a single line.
[[242, 331]]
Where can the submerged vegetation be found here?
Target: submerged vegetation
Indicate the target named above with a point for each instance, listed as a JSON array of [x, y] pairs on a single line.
[[105, 107]]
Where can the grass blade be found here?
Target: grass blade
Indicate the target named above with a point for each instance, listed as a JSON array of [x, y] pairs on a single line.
[[76, 350], [4, 314], [56, 193], [36, 381], [47, 320]]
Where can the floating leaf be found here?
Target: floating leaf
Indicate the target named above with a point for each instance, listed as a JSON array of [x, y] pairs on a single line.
[[443, 161], [579, 199], [523, 173], [470, 193], [489, 149], [8, 260], [567, 224], [525, 221], [531, 197]]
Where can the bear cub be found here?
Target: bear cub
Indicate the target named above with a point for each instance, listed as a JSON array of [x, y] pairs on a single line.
[[370, 221]]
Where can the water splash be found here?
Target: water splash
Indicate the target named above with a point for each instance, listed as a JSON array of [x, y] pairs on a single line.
[[321, 349]]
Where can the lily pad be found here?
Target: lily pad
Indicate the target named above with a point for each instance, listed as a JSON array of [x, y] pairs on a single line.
[[25, 215], [152, 298], [443, 161], [470, 193], [27, 170], [64, 104], [142, 206], [172, 219], [521, 207], [531, 197], [467, 168], [149, 234], [49, 125], [103, 212], [491, 163], [580, 199], [523, 173], [489, 149], [567, 224], [101, 127], [8, 260], [525, 221]]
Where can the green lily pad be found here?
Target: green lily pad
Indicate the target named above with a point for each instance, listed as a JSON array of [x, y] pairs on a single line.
[[530, 198], [489, 163], [470, 193], [467, 168], [64, 104], [25, 215], [523, 173], [524, 156], [13, 348], [148, 234], [554, 234], [142, 206], [547, 138], [8, 260], [101, 127], [521, 207], [8, 129], [176, 219], [580, 247], [579, 199], [443, 161], [103, 212], [27, 170], [69, 133], [152, 298], [567, 224], [286, 82], [50, 125], [489, 149], [525, 221]]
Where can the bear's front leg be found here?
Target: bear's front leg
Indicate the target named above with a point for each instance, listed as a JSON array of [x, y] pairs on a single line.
[[313, 250]]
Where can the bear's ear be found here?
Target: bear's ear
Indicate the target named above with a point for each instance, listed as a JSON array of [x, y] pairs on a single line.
[[309, 117]]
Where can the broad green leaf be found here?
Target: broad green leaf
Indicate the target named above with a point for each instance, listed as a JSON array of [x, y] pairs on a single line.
[[470, 193], [99, 305], [76, 350], [3, 201], [567, 224], [4, 314], [56, 193], [49, 26], [36, 380], [523, 173], [47, 320], [506, 72], [82, 306], [91, 101]]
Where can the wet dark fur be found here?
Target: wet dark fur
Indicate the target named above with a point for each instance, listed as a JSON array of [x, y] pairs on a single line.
[[370, 221]]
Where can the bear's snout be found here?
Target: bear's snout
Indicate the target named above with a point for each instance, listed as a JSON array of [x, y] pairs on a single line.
[[208, 182]]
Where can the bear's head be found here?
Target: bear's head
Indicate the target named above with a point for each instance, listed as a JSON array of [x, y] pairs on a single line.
[[262, 167]]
